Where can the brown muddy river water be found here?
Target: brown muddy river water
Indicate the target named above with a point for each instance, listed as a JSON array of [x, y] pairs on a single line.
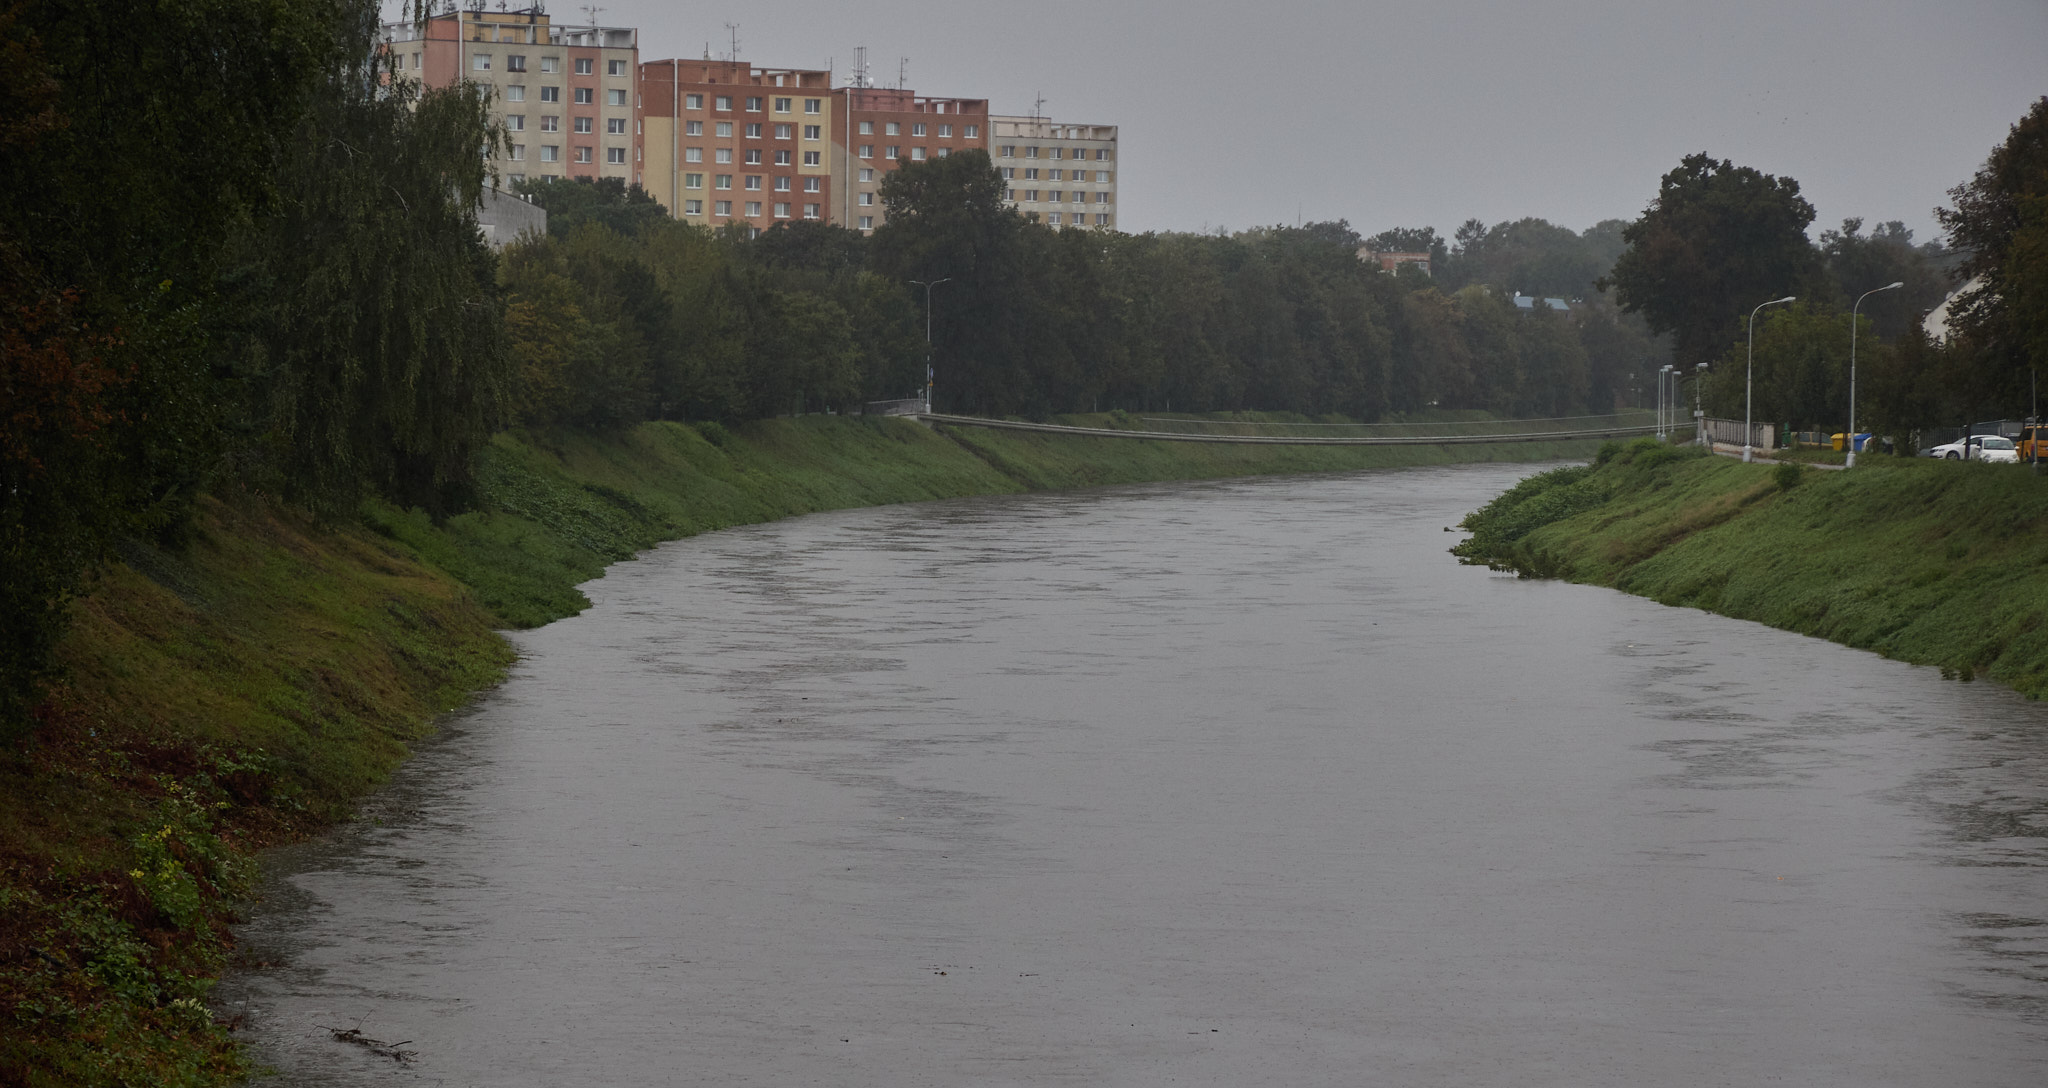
[[1241, 783]]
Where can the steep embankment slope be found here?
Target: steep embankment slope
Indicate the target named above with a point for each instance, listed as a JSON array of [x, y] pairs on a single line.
[[1932, 562], [249, 687]]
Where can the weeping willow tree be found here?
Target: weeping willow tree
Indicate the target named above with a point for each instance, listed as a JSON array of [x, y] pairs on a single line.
[[380, 361]]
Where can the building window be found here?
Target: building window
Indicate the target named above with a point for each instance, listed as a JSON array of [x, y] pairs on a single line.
[[586, 96], [867, 173], [516, 178], [722, 102], [693, 207], [481, 62], [867, 151], [614, 67], [753, 103], [973, 132], [814, 105], [516, 93], [811, 211], [1054, 197], [1030, 152], [867, 128], [615, 155], [615, 126], [917, 154], [753, 130], [584, 66], [752, 183], [693, 128], [721, 207], [693, 154], [814, 132], [1054, 175], [1102, 198], [785, 132], [518, 152], [867, 222], [917, 128], [550, 153], [722, 181], [516, 122], [515, 63], [753, 156], [1031, 195], [781, 211], [1053, 219], [615, 97], [722, 154], [889, 128], [1101, 154], [582, 154], [814, 185], [781, 157], [550, 123], [582, 125], [693, 101], [1057, 152], [814, 158], [867, 200], [551, 94], [550, 64], [1012, 197], [1101, 220], [724, 130], [753, 209], [1009, 151], [895, 152], [782, 105], [693, 181], [781, 185], [1031, 173], [945, 131]]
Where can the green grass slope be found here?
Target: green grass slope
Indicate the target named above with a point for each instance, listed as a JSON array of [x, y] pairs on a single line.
[[1932, 562]]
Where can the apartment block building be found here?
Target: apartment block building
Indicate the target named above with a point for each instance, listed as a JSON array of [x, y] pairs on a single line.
[[731, 143], [565, 93], [1057, 173], [881, 128]]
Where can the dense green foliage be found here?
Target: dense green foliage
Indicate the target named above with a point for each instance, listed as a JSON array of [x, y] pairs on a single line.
[[227, 253], [2000, 223], [1934, 562]]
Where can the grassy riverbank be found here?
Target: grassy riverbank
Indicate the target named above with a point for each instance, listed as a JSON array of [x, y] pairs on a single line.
[[248, 689], [1933, 562]]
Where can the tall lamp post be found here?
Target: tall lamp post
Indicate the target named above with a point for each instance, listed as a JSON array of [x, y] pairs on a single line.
[[1749, 380], [1851, 436], [928, 285], [1667, 378]]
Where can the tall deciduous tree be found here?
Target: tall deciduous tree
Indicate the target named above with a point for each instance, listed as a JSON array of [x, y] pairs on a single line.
[[1718, 240], [2000, 223]]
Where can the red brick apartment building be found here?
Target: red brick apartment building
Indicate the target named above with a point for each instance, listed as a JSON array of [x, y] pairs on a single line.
[[880, 128], [728, 142], [564, 93]]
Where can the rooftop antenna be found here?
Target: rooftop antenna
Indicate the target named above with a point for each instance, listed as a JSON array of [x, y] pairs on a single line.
[[1038, 108], [902, 72], [593, 11], [859, 78], [732, 30]]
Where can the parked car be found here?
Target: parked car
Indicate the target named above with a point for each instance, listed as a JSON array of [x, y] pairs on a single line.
[[1979, 447], [2030, 436]]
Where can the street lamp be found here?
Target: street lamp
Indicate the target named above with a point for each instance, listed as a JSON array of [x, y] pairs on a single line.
[[1851, 436], [928, 285], [1749, 379], [1667, 378], [1699, 409]]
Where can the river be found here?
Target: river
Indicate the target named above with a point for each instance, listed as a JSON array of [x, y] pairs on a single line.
[[1197, 784]]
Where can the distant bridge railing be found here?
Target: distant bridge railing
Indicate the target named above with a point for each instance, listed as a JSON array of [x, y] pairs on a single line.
[[1612, 428]]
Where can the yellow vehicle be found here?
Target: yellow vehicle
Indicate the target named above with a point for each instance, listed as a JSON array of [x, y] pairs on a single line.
[[2031, 436]]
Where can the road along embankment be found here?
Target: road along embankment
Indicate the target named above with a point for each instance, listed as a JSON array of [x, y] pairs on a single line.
[[247, 688], [1931, 562]]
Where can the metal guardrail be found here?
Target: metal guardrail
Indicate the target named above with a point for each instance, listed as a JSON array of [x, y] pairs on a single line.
[[1284, 440]]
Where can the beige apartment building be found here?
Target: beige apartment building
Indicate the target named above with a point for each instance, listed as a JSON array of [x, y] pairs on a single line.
[[1054, 172], [566, 94], [728, 142]]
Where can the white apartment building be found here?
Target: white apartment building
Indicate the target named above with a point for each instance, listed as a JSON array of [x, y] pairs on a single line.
[[1056, 173]]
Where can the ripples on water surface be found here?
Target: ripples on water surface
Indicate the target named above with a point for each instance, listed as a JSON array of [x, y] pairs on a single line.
[[1210, 784]]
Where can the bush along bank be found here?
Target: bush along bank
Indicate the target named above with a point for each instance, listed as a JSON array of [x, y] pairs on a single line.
[[248, 688], [1934, 563]]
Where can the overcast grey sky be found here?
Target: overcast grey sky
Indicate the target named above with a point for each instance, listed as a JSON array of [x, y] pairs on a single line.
[[1410, 114]]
